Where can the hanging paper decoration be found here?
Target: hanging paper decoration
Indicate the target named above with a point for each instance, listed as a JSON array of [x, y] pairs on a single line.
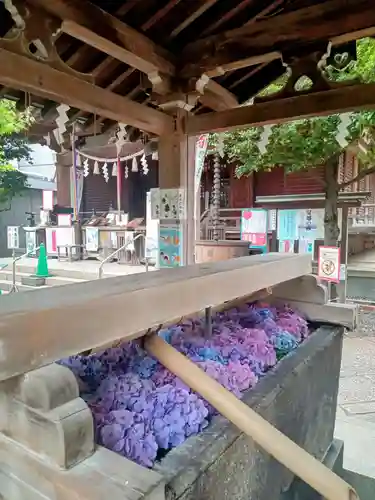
[[78, 160], [155, 155], [126, 171], [86, 168], [144, 164], [61, 121], [96, 170], [121, 135], [343, 129], [114, 170], [105, 172], [264, 138], [134, 165]]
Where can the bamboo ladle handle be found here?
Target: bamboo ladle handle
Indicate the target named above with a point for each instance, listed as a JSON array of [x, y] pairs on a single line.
[[283, 449]]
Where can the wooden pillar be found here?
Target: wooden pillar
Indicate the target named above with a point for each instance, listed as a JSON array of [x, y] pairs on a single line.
[[62, 183], [176, 169], [344, 252]]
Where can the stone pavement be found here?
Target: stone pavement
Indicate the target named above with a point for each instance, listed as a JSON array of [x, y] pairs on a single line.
[[355, 421], [91, 267]]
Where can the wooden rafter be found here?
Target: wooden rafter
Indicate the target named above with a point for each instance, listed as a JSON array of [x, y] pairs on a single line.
[[339, 100], [229, 15], [39, 79], [93, 25], [203, 7], [266, 39], [216, 97]]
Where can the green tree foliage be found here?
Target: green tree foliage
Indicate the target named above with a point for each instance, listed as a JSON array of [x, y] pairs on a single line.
[[308, 143], [13, 146]]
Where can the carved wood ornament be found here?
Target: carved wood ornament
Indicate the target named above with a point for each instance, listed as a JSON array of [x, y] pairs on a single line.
[[310, 66], [34, 35]]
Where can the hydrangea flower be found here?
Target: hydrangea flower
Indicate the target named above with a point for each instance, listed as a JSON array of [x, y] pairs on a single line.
[[141, 409]]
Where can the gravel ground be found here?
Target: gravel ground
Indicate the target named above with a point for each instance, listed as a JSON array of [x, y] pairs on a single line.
[[366, 326]]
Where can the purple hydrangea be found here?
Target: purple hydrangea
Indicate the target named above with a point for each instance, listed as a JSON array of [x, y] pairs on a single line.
[[140, 408]]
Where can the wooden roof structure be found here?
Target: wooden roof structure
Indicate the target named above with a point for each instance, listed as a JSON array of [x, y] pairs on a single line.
[[131, 61]]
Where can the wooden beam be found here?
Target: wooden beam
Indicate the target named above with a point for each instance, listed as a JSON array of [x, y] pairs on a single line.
[[331, 21], [138, 50], [37, 78], [202, 8], [228, 99], [104, 311], [340, 100]]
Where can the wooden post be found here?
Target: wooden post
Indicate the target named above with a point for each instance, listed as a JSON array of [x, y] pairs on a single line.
[[119, 186], [62, 182], [297, 460], [176, 169], [344, 252]]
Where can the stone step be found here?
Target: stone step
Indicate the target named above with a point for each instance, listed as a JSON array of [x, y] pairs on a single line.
[[6, 275], [5, 286], [69, 274]]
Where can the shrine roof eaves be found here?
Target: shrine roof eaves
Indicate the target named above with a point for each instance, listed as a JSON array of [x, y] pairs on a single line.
[[228, 50]]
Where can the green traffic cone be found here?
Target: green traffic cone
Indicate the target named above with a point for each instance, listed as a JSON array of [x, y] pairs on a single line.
[[42, 267]]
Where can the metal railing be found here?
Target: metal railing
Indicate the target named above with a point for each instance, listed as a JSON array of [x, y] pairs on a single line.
[[118, 250], [364, 217], [14, 287]]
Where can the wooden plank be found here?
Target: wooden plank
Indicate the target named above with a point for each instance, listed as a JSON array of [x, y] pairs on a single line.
[[38, 78], [331, 21], [104, 45], [228, 99], [46, 325], [339, 100], [103, 475], [142, 53], [337, 314]]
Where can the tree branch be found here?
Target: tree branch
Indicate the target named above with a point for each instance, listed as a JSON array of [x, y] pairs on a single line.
[[358, 177]]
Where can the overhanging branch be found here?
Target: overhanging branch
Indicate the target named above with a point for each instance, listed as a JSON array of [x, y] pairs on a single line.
[[362, 174]]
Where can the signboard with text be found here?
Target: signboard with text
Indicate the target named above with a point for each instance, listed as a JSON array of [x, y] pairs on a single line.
[[329, 264]]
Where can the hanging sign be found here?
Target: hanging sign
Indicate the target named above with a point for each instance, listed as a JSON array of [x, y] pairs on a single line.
[[287, 225], [47, 200], [200, 154], [329, 264], [311, 224], [254, 226], [167, 204], [13, 237], [170, 246]]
